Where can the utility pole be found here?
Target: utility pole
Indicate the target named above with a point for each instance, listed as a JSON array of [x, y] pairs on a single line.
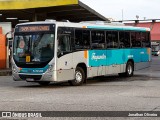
[[122, 15]]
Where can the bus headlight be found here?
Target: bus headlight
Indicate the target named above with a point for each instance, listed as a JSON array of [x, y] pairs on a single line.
[[50, 69]]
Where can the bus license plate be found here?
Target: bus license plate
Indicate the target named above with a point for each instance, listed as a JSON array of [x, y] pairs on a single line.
[[30, 79]]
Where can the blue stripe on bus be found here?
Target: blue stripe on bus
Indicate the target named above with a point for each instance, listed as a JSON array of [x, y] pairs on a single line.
[[119, 56], [119, 28], [34, 70]]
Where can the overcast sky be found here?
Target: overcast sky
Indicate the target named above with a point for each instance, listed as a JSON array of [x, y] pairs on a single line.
[[150, 9]]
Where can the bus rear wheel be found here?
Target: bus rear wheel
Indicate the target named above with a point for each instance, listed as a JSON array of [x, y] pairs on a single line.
[[129, 70], [79, 77]]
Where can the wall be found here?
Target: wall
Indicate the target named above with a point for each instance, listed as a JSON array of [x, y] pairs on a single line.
[[5, 28]]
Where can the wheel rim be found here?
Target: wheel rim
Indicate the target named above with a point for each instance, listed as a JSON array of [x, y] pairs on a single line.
[[78, 76], [129, 69]]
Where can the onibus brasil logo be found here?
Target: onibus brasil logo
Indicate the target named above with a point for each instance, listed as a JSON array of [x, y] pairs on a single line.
[[21, 114]]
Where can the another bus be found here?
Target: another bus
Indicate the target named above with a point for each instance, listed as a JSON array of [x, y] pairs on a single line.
[[155, 48], [52, 51]]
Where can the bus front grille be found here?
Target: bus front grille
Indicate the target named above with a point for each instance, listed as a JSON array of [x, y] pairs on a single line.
[[35, 77]]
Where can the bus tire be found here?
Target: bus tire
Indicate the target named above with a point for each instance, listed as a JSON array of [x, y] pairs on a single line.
[[79, 77], [129, 70], [44, 83]]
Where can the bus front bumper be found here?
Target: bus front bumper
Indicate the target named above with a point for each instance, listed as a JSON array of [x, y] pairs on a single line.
[[34, 77]]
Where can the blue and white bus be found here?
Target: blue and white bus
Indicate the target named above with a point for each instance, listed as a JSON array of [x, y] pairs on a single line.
[[52, 51]]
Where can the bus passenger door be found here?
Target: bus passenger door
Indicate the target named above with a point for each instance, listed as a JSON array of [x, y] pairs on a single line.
[[65, 58]]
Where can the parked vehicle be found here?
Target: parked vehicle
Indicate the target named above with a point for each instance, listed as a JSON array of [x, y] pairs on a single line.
[[156, 49]]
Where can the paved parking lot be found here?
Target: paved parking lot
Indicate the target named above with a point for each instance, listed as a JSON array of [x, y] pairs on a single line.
[[111, 93]]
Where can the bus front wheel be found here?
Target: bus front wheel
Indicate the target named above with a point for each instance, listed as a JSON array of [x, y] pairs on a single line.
[[79, 77]]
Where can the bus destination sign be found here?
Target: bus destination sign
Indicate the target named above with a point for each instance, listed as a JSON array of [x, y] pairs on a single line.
[[34, 28]]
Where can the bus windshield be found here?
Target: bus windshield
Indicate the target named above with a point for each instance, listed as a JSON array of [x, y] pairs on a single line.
[[33, 47], [155, 48]]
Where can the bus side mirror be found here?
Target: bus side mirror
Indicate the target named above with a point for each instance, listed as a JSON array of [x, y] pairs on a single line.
[[59, 52]]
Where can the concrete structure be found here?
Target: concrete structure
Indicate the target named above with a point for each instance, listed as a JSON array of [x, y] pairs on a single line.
[[17, 11]]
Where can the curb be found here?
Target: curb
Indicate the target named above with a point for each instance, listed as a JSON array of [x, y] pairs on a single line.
[[5, 72]]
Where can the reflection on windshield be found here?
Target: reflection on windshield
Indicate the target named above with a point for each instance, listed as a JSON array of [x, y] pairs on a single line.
[[33, 47]]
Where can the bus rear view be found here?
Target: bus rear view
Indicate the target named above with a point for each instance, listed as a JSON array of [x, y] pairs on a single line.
[[33, 50]]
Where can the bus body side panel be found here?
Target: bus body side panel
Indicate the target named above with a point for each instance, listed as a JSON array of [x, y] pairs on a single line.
[[145, 55], [80, 57], [67, 64], [83, 57], [65, 69], [115, 60]]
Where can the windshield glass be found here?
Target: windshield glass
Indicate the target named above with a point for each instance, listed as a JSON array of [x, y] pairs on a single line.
[[155, 48], [33, 48]]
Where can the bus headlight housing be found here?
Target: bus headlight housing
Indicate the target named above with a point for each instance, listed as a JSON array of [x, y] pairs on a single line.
[[50, 68]]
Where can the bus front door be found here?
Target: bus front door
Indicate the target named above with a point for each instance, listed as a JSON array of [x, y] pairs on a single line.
[[65, 59]]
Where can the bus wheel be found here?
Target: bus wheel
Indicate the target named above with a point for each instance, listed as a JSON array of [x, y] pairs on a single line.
[[79, 77], [129, 69], [44, 83]]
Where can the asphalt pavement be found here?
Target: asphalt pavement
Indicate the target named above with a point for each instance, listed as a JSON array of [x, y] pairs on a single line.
[[110, 93]]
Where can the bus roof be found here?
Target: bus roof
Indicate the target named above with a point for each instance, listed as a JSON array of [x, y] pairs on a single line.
[[90, 26]]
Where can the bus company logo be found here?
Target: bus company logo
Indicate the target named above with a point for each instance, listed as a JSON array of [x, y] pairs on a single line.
[[98, 57], [6, 114]]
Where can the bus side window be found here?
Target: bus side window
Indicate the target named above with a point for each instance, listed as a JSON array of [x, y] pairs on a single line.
[[82, 39], [98, 39], [145, 39], [138, 39], [133, 39], [124, 39], [109, 39], [112, 39], [121, 39], [127, 42]]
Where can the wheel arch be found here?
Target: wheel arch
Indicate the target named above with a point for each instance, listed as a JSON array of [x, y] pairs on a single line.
[[84, 67]]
